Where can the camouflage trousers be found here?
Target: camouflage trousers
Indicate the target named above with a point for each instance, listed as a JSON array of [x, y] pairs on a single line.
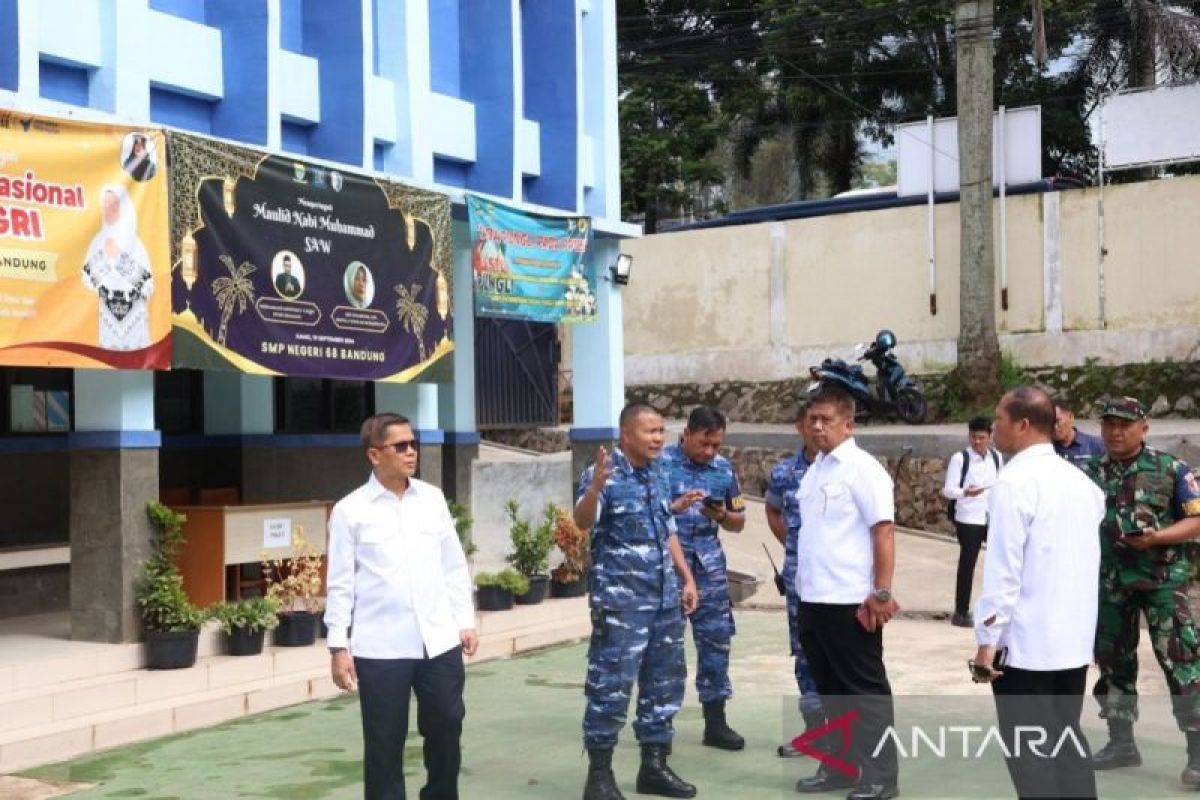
[[712, 621], [645, 647], [810, 698], [1171, 621]]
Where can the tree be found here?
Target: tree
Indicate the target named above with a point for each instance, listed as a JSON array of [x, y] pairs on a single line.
[[234, 290]]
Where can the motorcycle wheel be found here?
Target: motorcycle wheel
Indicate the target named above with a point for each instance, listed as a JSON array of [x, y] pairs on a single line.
[[911, 406]]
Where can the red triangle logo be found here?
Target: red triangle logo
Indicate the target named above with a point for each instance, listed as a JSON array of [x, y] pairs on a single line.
[[844, 723]]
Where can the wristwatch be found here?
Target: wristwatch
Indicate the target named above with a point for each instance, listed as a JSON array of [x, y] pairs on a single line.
[[333, 651], [883, 594]]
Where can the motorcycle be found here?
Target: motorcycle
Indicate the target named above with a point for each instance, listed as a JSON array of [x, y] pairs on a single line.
[[894, 392]]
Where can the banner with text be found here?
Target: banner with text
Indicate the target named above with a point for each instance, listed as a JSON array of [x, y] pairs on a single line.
[[285, 267], [530, 266], [84, 275]]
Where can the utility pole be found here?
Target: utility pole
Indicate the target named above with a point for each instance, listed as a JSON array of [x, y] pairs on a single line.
[[978, 345]]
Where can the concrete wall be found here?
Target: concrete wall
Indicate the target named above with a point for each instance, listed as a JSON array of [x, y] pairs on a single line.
[[762, 302], [532, 483]]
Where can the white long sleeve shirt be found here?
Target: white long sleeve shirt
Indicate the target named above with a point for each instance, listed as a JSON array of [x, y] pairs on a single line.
[[1042, 570], [842, 496], [397, 573], [982, 471]]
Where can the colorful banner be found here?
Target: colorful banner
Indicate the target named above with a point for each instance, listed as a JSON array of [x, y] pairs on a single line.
[[530, 266], [285, 267], [84, 275]]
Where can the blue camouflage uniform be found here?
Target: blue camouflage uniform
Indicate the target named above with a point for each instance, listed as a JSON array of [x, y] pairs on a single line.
[[712, 621], [781, 494], [637, 619]]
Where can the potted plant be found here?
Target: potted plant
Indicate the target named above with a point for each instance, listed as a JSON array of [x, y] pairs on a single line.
[[569, 578], [531, 550], [495, 591], [294, 584], [462, 525], [245, 623], [171, 621]]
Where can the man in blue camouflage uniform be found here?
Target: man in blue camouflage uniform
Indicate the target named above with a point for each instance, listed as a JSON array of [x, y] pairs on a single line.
[[695, 466], [637, 605], [783, 518], [1153, 514], [1069, 442]]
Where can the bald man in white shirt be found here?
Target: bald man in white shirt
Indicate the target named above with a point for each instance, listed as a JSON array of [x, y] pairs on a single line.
[[1035, 622], [398, 573]]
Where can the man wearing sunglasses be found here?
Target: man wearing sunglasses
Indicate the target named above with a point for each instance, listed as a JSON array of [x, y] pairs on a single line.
[[397, 570]]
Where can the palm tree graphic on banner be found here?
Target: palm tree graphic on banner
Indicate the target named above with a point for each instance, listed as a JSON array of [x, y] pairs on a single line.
[[411, 313], [236, 289]]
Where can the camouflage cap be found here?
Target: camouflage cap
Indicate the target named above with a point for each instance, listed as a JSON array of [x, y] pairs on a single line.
[[1129, 408]]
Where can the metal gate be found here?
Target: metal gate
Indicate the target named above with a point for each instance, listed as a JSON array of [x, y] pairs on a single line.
[[516, 373]]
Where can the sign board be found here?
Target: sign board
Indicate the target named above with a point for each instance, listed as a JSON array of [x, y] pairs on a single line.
[[277, 532], [1022, 152], [1152, 126]]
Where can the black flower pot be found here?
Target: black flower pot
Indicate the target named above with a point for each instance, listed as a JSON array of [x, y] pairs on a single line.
[[576, 588], [493, 598], [245, 642], [538, 586], [296, 629], [171, 649]]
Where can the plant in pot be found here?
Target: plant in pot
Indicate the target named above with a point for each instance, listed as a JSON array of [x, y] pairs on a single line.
[[495, 591], [245, 623], [294, 584], [462, 525], [569, 578], [171, 621], [531, 550]]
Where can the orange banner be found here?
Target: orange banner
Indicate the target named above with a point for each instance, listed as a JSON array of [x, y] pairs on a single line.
[[85, 279]]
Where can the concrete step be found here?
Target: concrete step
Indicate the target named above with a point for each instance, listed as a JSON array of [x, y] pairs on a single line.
[[66, 706]]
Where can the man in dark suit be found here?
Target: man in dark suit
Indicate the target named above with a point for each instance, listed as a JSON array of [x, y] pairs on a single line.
[[286, 283]]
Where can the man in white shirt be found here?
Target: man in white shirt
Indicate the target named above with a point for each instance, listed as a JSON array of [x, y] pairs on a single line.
[[1035, 622], [398, 573], [969, 475], [846, 557]]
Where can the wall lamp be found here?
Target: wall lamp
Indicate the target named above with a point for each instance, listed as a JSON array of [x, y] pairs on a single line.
[[621, 269]]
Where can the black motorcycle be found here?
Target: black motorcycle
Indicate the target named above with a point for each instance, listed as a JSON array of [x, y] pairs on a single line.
[[894, 394]]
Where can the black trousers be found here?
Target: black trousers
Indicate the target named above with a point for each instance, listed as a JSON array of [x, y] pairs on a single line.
[[384, 689], [970, 539], [846, 663], [1048, 702]]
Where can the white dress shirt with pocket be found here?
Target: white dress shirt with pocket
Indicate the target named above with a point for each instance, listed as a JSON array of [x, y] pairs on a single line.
[[1041, 576], [397, 574], [842, 496], [981, 472]]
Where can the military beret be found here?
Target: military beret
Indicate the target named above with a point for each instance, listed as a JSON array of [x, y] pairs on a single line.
[[1122, 408]]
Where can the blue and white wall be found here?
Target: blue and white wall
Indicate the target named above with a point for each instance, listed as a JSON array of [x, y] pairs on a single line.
[[513, 98]]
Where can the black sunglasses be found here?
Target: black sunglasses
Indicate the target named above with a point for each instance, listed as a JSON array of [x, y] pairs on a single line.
[[402, 446]]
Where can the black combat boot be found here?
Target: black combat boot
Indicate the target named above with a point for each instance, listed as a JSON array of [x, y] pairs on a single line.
[[655, 777], [1190, 778], [601, 785], [717, 732], [1121, 750], [812, 721]]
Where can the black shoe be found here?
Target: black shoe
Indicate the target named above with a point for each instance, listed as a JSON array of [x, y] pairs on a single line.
[[1121, 750], [1190, 777], [812, 721], [601, 785], [873, 791], [825, 780], [655, 777], [788, 750], [717, 732], [962, 620]]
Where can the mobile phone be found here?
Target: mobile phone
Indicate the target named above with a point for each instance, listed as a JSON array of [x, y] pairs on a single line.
[[979, 672], [714, 503]]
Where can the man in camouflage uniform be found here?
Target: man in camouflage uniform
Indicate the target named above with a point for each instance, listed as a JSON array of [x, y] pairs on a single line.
[[637, 604], [783, 518], [1152, 513], [695, 465]]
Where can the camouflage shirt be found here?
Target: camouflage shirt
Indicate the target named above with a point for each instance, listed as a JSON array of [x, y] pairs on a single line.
[[1152, 490], [631, 561], [715, 479], [781, 493]]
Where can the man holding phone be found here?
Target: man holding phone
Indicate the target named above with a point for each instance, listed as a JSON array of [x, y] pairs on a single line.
[[696, 467], [846, 555], [1036, 617], [1153, 511]]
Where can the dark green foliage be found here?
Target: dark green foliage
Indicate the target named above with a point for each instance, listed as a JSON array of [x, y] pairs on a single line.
[[252, 614], [508, 579], [531, 544], [165, 605]]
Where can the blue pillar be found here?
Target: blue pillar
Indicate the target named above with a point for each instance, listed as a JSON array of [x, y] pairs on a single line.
[[598, 364], [333, 34], [548, 47], [456, 411], [486, 39], [242, 112]]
